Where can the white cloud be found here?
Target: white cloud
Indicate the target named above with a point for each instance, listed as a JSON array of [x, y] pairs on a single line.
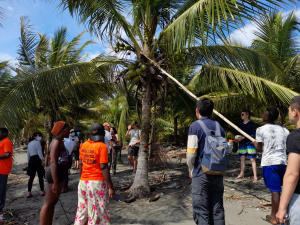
[[244, 35], [10, 8], [92, 56], [7, 57]]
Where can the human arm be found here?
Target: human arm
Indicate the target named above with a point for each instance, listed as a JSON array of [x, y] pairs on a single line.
[[8, 148], [128, 131], [117, 138], [80, 167], [290, 181], [54, 157], [39, 150], [192, 148], [258, 146], [105, 171]]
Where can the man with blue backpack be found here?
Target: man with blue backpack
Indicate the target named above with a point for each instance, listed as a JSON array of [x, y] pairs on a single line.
[[206, 159]]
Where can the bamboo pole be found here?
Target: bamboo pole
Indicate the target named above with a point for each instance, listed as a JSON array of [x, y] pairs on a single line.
[[195, 97]]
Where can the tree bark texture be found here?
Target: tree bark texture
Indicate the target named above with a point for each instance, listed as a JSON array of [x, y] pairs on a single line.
[[140, 187], [175, 130]]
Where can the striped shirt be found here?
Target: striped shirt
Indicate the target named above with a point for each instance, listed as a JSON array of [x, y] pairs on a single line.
[[195, 145]]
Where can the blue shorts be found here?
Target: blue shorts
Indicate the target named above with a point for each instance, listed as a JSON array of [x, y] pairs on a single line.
[[247, 155], [273, 176]]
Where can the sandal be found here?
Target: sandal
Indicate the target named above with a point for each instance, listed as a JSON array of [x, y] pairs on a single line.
[[28, 195], [43, 193]]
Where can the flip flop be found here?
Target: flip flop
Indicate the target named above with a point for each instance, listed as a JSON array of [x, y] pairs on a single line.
[[265, 219], [43, 194]]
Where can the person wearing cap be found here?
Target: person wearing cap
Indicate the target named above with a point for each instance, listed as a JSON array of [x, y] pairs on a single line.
[[134, 144], [55, 173], [95, 182], [108, 142]]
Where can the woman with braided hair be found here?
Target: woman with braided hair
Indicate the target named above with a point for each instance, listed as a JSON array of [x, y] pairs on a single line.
[[54, 174]]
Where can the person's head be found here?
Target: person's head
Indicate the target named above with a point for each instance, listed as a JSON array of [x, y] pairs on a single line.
[[113, 130], [245, 115], [73, 133], [106, 126], [61, 129], [35, 137], [204, 107], [78, 132], [3, 133], [97, 132], [294, 110], [134, 124], [270, 115]]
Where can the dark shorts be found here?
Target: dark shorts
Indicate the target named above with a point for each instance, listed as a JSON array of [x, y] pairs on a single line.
[[133, 151], [76, 154], [273, 177], [61, 170]]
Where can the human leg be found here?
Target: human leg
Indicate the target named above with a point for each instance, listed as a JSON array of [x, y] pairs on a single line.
[[200, 200], [114, 163], [47, 211], [243, 164], [82, 208], [32, 172], [65, 182], [254, 168], [130, 154], [216, 199], [3, 184], [134, 158], [41, 173]]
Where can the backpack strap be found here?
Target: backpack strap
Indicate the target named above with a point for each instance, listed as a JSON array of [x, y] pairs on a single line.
[[204, 128], [218, 130]]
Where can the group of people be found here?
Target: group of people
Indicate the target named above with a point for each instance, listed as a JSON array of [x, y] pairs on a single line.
[[280, 161]]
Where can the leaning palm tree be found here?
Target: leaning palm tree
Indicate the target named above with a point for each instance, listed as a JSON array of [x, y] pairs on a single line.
[[179, 25]]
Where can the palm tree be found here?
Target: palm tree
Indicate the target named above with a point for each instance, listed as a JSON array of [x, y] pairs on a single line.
[[51, 74], [179, 25]]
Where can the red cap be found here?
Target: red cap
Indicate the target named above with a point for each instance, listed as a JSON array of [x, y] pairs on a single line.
[[106, 124]]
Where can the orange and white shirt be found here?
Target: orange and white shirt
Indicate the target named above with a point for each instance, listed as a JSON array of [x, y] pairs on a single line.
[[92, 155]]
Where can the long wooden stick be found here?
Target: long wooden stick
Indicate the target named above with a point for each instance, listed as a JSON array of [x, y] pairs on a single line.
[[195, 97]]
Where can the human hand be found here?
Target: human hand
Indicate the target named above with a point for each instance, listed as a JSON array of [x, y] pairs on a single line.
[[190, 175], [129, 127], [280, 216], [111, 193], [133, 145], [54, 188], [239, 139]]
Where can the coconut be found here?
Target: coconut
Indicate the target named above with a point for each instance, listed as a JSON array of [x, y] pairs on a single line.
[[131, 67], [132, 73], [136, 79], [121, 48], [143, 67], [128, 47], [177, 54], [122, 45], [116, 50], [138, 71], [118, 44], [169, 98], [127, 77], [128, 53]]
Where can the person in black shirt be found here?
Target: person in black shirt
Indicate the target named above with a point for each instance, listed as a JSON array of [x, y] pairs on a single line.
[[246, 147], [290, 198]]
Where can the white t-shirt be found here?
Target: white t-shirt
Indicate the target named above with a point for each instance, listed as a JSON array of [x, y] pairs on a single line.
[[70, 143], [106, 139], [273, 138], [34, 148], [134, 136]]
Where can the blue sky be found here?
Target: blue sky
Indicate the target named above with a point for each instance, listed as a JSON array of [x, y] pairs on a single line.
[[45, 18]]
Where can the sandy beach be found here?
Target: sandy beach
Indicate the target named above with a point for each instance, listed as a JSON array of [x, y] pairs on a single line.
[[245, 203]]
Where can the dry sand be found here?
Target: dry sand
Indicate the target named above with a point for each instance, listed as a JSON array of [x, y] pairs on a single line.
[[242, 198]]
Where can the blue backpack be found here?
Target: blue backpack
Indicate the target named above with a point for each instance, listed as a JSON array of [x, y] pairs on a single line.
[[214, 161]]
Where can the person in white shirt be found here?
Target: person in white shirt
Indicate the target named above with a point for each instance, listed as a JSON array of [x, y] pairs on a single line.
[[134, 144], [35, 157], [70, 143], [271, 140], [108, 142]]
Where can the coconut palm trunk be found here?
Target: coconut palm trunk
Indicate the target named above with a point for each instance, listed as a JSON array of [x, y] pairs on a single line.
[[140, 187]]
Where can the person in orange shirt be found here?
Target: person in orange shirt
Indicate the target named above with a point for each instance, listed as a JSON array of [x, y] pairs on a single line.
[[6, 152], [95, 182]]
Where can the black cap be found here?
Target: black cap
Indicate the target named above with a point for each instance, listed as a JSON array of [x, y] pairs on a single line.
[[97, 132]]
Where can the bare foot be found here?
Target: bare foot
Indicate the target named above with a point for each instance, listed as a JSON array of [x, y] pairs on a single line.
[[255, 180], [271, 220], [240, 176]]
